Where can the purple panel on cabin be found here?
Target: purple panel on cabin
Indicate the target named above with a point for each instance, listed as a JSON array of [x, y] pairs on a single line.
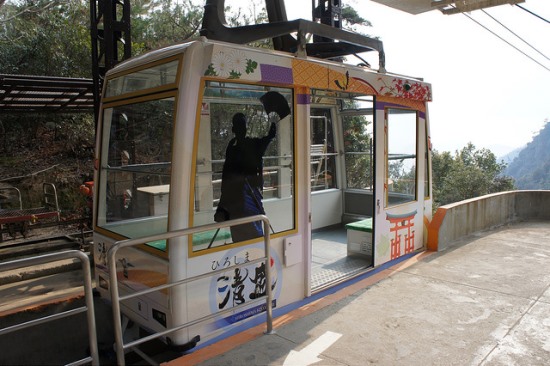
[[303, 99], [382, 105], [276, 74]]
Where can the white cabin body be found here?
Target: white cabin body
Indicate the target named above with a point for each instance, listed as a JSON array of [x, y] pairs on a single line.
[[346, 180]]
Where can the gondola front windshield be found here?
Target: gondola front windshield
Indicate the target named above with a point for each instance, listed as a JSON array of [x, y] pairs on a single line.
[[134, 181]]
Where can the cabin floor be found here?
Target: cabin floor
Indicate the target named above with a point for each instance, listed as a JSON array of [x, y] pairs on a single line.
[[330, 260]]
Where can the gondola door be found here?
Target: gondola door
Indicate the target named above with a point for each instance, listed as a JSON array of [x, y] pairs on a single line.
[[400, 210], [342, 189]]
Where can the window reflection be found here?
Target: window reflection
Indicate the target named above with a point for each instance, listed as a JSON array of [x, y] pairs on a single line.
[[322, 152], [135, 171], [271, 190], [149, 78], [401, 160]]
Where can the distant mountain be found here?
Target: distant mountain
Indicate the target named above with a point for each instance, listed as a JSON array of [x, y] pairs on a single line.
[[508, 158], [531, 167]]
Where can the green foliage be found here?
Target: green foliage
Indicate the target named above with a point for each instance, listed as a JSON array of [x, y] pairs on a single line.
[[469, 173], [44, 37], [160, 23], [52, 38], [78, 133], [358, 139], [254, 12], [351, 17]]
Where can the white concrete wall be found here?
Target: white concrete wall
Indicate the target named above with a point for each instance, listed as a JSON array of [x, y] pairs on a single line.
[[456, 220]]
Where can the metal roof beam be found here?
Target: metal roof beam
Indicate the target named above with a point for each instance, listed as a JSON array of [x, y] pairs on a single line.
[[36, 94]]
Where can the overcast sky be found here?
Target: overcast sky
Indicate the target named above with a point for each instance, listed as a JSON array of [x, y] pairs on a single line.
[[484, 91]]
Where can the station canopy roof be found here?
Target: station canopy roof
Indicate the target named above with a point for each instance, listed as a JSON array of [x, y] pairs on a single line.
[[445, 6], [43, 94]]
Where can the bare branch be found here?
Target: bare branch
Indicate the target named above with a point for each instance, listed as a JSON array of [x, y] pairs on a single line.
[[30, 9], [28, 175]]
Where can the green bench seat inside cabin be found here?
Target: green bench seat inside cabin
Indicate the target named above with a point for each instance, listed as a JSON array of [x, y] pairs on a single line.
[[199, 238], [363, 225]]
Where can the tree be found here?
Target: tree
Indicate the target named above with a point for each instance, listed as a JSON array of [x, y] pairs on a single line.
[[352, 18], [470, 173], [358, 145], [159, 23], [43, 37], [52, 38]]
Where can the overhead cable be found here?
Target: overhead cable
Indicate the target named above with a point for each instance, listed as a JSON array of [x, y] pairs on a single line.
[[530, 12], [502, 39], [509, 30]]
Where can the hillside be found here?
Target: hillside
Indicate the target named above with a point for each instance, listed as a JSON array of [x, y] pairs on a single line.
[[531, 167], [58, 152], [508, 158]]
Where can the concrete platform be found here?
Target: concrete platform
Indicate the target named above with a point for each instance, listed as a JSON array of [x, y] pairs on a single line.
[[483, 301]]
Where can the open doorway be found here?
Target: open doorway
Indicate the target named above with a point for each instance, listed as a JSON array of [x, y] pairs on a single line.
[[342, 189]]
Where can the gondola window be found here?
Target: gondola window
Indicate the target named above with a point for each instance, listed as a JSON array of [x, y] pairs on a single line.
[[244, 162], [401, 157], [134, 182]]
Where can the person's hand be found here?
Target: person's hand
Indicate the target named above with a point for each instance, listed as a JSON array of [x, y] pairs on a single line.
[[221, 215]]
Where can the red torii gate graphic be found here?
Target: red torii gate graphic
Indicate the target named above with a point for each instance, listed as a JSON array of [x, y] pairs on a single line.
[[399, 223]]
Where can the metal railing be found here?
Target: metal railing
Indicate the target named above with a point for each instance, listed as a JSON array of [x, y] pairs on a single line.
[[89, 307], [116, 299]]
